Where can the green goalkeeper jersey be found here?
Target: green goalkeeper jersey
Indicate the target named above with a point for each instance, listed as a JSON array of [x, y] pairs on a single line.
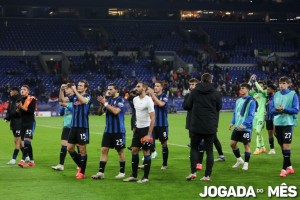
[[261, 98]]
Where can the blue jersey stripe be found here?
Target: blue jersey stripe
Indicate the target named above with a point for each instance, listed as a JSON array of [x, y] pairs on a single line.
[[269, 115]]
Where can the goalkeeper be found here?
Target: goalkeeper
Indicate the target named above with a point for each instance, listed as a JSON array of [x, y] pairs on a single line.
[[260, 95]]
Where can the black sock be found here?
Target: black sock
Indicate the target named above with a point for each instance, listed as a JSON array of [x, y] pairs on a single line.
[[30, 152], [27, 150], [286, 159], [83, 163], [102, 166], [247, 156], [165, 154], [75, 157], [271, 142], [122, 166], [147, 165], [134, 165], [237, 153], [15, 154], [62, 155]]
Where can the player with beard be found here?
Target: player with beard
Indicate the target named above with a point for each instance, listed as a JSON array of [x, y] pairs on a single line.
[[114, 134]]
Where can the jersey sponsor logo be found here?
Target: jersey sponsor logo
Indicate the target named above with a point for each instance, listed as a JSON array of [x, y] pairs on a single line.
[[76, 103], [121, 104]]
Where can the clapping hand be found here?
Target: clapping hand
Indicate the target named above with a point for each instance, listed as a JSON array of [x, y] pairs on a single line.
[[101, 99]]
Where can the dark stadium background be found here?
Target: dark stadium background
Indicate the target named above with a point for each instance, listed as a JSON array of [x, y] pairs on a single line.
[[46, 43]]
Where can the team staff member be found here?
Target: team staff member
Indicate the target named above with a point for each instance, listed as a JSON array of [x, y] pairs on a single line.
[[192, 84], [26, 108], [114, 133], [205, 103], [15, 122], [145, 118], [66, 111], [79, 133]]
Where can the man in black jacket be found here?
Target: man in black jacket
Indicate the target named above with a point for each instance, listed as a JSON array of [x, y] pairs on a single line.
[[192, 84], [15, 122], [205, 103]]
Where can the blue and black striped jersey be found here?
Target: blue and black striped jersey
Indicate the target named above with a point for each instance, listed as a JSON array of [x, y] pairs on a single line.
[[80, 114], [161, 113], [115, 123]]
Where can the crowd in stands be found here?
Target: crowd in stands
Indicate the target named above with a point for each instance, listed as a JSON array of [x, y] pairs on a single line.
[[231, 47], [176, 81]]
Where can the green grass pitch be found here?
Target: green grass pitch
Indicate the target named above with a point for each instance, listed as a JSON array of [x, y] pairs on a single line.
[[41, 182]]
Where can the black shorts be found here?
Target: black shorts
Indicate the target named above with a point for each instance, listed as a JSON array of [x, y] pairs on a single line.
[[114, 140], [269, 125], [65, 133], [241, 136], [284, 134], [27, 131], [161, 133], [16, 133], [137, 135], [79, 136]]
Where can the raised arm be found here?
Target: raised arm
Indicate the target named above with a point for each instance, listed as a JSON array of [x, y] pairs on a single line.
[[82, 99], [61, 97]]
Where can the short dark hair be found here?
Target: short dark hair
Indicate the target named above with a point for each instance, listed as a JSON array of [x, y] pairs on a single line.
[[86, 84], [261, 82], [272, 86], [206, 78], [160, 82], [14, 89], [114, 85], [193, 80], [145, 85], [246, 85], [285, 79]]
